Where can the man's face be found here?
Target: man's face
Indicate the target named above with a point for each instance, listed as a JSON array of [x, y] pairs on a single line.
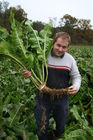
[[60, 47]]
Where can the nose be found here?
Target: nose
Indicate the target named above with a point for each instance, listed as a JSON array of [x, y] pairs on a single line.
[[60, 49]]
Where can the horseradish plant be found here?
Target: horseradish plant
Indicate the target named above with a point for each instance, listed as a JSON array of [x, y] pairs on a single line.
[[29, 50]]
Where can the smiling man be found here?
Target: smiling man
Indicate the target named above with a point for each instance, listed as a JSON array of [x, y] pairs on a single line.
[[60, 46], [61, 68]]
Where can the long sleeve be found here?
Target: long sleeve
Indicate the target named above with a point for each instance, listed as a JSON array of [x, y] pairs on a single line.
[[75, 75]]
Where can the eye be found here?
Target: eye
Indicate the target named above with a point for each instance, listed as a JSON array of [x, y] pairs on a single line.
[[58, 45], [64, 47]]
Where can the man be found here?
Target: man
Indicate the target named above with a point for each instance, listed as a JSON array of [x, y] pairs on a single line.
[[61, 67]]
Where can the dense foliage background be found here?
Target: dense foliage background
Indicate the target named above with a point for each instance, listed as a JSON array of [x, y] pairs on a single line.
[[17, 98], [17, 94]]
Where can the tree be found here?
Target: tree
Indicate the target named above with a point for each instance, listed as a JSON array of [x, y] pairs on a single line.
[[38, 25], [69, 24], [3, 6], [79, 29], [20, 14], [68, 21], [84, 24]]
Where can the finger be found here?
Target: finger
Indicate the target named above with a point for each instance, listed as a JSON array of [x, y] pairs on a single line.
[[27, 73], [24, 70], [72, 92], [71, 86], [26, 76]]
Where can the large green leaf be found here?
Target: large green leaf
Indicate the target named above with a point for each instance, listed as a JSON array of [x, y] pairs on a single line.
[[33, 56]]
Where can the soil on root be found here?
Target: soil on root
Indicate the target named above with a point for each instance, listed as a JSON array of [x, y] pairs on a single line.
[[52, 92], [43, 120]]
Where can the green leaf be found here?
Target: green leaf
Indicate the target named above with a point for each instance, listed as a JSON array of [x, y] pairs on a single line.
[[3, 34]]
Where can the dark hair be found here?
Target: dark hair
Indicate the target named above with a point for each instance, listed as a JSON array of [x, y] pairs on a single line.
[[63, 35]]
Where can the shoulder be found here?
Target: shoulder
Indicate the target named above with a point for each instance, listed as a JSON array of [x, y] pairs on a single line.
[[69, 56]]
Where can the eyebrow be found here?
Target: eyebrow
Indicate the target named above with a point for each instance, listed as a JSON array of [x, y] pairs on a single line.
[[61, 45]]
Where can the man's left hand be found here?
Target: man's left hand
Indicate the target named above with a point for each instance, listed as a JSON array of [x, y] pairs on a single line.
[[72, 90]]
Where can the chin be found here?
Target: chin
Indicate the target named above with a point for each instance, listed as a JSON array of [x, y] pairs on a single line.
[[59, 54]]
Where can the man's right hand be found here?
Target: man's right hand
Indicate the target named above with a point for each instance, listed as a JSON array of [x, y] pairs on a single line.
[[26, 73]]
